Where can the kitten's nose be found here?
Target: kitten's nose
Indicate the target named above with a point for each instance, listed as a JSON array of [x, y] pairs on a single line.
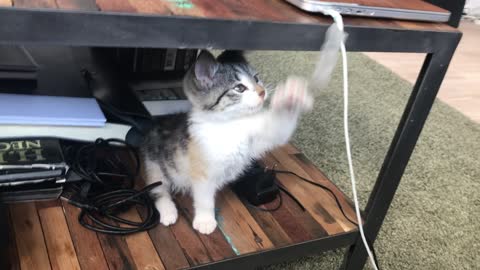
[[260, 91], [262, 94]]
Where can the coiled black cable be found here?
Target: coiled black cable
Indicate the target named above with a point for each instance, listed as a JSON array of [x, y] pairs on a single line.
[[107, 187]]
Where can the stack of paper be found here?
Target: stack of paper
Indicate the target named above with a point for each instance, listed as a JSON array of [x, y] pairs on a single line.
[[50, 110]]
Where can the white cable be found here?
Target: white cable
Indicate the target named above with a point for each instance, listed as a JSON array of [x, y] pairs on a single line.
[[339, 22], [349, 156]]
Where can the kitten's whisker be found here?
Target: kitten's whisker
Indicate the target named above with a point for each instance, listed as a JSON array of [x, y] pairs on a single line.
[[269, 87]]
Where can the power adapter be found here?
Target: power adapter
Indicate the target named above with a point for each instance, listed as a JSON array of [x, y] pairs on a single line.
[[257, 185]]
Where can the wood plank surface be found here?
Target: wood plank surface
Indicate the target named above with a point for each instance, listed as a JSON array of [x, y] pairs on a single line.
[[294, 155], [215, 243], [89, 251], [294, 163], [167, 246], [270, 10], [52, 238], [122, 252], [6, 3], [211, 9], [193, 248], [317, 176], [85, 5], [35, 3], [307, 168], [61, 251], [162, 237], [140, 245], [298, 224], [116, 6], [238, 226], [8, 248], [151, 6], [318, 202], [187, 8], [116, 252], [270, 224], [290, 149], [32, 250]]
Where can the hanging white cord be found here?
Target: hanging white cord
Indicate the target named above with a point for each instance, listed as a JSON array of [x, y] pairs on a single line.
[[325, 65], [349, 155]]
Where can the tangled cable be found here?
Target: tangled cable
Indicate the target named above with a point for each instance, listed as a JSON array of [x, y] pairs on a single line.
[[106, 189]]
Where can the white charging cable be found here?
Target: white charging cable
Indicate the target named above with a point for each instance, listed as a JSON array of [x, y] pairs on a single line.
[[325, 65], [349, 155]]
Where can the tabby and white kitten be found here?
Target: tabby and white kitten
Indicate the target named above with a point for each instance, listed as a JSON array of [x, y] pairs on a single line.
[[227, 128]]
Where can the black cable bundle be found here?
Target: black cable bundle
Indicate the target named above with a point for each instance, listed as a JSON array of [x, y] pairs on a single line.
[[107, 188]]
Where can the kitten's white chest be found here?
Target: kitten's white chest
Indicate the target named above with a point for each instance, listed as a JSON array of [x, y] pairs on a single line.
[[226, 146], [224, 139]]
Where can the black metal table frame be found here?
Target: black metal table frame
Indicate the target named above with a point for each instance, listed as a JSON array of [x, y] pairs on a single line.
[[71, 28]]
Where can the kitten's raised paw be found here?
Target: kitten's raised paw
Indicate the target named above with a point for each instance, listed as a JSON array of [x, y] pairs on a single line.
[[168, 211], [204, 224], [293, 95]]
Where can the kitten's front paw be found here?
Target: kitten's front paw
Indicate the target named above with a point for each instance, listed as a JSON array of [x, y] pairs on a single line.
[[168, 211], [205, 224], [293, 95]]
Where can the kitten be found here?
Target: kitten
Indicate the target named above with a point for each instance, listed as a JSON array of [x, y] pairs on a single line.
[[227, 128]]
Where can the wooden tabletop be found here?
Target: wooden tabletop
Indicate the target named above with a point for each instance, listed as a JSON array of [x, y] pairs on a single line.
[[227, 24], [248, 10]]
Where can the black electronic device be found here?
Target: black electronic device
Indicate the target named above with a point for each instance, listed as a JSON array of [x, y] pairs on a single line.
[[257, 185], [144, 64], [18, 69], [117, 100]]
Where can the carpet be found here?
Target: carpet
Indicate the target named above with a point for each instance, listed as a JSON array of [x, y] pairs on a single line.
[[434, 220]]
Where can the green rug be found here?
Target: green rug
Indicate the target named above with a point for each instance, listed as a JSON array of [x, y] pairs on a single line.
[[434, 221]]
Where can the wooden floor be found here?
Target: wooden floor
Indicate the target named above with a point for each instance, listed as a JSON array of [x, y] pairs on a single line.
[[46, 235], [460, 89]]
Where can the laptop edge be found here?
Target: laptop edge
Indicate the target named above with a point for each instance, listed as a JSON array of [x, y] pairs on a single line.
[[372, 11]]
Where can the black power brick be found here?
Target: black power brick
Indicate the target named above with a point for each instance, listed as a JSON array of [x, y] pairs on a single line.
[[257, 185]]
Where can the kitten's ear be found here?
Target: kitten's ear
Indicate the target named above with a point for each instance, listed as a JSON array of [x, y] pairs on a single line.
[[232, 56], [205, 68]]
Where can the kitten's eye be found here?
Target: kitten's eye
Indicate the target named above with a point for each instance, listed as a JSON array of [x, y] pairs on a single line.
[[256, 78], [240, 88]]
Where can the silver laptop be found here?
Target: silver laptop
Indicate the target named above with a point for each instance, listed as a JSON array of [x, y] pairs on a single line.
[[393, 9]]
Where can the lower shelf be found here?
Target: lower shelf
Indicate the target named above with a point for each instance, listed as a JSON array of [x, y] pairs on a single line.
[[46, 235]]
